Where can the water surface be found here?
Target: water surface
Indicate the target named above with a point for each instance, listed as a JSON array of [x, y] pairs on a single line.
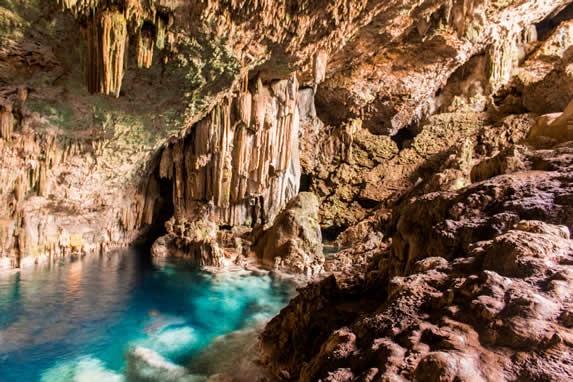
[[75, 320]]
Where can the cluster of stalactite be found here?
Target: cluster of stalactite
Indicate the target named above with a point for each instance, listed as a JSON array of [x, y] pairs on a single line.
[[145, 45], [296, 23], [465, 16], [105, 37], [241, 160], [106, 27], [28, 160], [509, 48]]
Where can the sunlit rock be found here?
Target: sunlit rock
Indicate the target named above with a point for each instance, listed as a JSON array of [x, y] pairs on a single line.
[[294, 242]]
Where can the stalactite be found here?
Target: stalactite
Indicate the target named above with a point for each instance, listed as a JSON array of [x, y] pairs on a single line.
[[145, 45], [504, 57], [22, 93], [67, 4], [247, 174], [319, 66], [113, 43], [259, 105], [245, 103], [42, 179], [6, 122], [162, 23], [105, 37], [107, 25]]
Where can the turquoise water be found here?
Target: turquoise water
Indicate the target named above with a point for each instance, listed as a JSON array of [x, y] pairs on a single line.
[[76, 320]]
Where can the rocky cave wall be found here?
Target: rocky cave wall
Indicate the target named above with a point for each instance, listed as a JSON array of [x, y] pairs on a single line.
[[421, 126], [466, 274], [196, 56], [242, 158]]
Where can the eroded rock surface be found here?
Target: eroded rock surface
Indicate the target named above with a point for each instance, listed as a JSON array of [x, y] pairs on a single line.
[[476, 284], [182, 74], [294, 242]]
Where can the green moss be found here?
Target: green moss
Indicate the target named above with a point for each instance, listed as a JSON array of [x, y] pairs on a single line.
[[207, 66], [60, 115]]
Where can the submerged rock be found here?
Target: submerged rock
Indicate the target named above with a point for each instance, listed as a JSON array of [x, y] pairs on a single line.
[[145, 365]]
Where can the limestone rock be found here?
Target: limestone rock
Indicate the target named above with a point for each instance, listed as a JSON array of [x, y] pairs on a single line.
[[245, 174], [555, 126], [194, 241], [475, 285], [294, 242]]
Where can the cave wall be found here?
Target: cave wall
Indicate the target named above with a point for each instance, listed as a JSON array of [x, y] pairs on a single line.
[[242, 158], [172, 74]]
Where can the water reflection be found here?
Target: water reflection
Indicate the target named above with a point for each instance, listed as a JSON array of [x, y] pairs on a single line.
[[81, 316]]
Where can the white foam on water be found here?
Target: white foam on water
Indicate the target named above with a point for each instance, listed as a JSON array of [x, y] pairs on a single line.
[[146, 364], [82, 369], [168, 342]]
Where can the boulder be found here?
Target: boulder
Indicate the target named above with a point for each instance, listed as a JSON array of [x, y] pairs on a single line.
[[195, 241], [294, 243], [557, 126]]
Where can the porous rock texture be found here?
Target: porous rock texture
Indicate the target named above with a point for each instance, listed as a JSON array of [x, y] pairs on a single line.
[[476, 285], [182, 74]]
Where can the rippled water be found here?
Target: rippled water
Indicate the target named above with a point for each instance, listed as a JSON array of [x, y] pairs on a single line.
[[76, 320]]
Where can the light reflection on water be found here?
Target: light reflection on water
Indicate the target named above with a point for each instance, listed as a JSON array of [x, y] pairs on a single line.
[[71, 319]]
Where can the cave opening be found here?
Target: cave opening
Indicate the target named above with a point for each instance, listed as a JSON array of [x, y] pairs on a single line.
[[330, 233], [404, 137], [305, 182], [163, 210]]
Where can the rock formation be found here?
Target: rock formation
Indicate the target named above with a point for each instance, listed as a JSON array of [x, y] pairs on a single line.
[[476, 284], [195, 241], [242, 158], [430, 139], [294, 242]]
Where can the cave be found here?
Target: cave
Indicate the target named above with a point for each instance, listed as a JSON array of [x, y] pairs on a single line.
[[298, 190]]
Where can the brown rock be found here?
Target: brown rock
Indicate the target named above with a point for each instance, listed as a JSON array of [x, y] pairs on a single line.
[[294, 242]]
